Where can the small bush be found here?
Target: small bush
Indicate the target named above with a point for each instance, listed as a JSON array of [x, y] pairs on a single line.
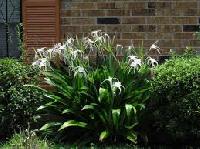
[[174, 110], [94, 100], [17, 102]]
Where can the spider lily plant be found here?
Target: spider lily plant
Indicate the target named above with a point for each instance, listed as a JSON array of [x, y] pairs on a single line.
[[96, 96]]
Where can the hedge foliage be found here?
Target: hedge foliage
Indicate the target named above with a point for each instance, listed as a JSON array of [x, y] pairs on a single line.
[[173, 113], [18, 103]]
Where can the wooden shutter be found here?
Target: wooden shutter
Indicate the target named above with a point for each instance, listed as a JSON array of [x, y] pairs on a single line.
[[41, 24]]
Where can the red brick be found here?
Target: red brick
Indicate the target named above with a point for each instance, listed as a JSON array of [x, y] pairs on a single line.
[[133, 20], [106, 5], [81, 5], [82, 21], [141, 22]]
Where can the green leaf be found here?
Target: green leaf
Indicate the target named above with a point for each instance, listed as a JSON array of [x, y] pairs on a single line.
[[55, 76], [72, 123], [67, 111], [49, 81], [84, 88], [131, 126], [116, 117], [41, 107], [132, 137], [103, 135], [129, 109], [51, 96], [103, 94], [89, 107], [48, 125], [102, 115], [130, 112], [140, 106], [47, 105]]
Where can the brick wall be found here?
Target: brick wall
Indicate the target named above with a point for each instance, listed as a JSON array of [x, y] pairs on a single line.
[[141, 22]]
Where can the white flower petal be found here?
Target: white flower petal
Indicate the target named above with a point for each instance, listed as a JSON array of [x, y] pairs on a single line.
[[117, 85], [79, 70], [154, 46], [151, 61]]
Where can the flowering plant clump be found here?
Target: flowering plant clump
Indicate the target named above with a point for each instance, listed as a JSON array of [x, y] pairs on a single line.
[[95, 91]]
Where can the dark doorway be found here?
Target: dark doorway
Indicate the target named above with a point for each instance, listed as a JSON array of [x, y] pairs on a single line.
[[10, 19]]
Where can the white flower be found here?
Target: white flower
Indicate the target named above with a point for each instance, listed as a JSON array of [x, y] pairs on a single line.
[[70, 42], [117, 85], [62, 47], [87, 40], [95, 33], [59, 48], [86, 58], [75, 53], [42, 63], [79, 70], [154, 46], [98, 39], [50, 53], [132, 58], [118, 46], [106, 37], [40, 52], [97, 36], [152, 62], [56, 46], [90, 41], [136, 63], [114, 83], [110, 79], [36, 63], [131, 47]]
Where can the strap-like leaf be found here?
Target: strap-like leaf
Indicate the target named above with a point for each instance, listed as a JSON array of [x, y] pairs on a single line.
[[41, 107], [128, 108], [36, 87], [72, 123], [89, 107], [116, 117], [103, 94], [130, 112], [103, 135], [132, 137], [66, 111], [131, 126], [48, 125]]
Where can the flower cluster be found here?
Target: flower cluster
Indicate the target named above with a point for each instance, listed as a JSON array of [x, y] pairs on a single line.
[[134, 61], [115, 84], [75, 52]]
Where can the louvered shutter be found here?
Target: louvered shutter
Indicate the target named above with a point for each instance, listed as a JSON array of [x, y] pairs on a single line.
[[41, 24]]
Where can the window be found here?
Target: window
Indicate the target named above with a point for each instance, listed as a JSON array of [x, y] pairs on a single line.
[[10, 19]]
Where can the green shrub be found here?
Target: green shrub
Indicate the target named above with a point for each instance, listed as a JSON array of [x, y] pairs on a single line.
[[17, 102], [94, 100], [174, 110], [29, 140]]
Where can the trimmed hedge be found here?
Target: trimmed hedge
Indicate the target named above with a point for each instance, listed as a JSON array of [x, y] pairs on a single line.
[[18, 103], [173, 113]]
